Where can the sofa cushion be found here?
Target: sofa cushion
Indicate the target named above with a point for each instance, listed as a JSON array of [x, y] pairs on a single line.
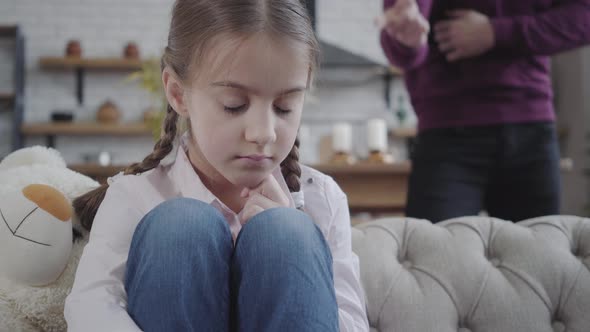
[[476, 274]]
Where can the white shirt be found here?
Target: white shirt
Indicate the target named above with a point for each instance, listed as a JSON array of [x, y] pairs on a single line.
[[98, 299]]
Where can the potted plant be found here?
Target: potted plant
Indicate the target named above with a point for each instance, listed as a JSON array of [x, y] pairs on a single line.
[[150, 79]]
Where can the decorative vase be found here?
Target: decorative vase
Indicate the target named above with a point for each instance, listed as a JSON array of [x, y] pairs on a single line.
[[108, 113], [73, 49], [131, 51]]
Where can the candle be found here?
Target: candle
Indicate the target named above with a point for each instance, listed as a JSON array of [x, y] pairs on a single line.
[[342, 137], [377, 135], [304, 144]]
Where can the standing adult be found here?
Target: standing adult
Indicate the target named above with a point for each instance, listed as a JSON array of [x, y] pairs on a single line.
[[478, 73]]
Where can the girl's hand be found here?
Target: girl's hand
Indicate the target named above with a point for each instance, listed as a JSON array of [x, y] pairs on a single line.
[[266, 196], [404, 22]]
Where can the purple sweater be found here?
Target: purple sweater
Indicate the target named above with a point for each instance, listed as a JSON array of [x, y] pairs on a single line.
[[508, 84]]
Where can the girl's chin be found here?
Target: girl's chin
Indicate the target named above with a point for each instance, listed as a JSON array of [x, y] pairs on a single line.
[[249, 180]]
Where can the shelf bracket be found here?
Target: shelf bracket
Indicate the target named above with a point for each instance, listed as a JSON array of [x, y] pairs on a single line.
[[50, 139], [387, 78], [80, 85]]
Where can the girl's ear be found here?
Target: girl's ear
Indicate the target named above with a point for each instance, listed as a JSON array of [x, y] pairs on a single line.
[[174, 92]]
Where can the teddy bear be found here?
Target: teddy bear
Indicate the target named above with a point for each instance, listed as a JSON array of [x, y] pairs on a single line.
[[41, 239]]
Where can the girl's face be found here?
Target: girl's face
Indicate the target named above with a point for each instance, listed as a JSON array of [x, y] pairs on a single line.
[[245, 112]]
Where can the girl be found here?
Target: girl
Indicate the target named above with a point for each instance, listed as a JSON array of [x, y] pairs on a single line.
[[227, 237]]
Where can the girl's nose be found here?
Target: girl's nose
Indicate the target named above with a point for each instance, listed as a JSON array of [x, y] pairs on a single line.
[[261, 129]]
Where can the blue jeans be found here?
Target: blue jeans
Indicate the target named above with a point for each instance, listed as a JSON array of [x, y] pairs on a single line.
[[184, 274], [511, 171]]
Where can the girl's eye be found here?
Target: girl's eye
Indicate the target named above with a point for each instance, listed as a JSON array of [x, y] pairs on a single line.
[[282, 111], [235, 110]]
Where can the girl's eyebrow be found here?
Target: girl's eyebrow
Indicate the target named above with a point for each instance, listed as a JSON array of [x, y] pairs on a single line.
[[234, 85]]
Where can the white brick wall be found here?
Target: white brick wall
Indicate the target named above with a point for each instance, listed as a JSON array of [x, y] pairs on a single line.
[[571, 73], [349, 24], [105, 26], [6, 74]]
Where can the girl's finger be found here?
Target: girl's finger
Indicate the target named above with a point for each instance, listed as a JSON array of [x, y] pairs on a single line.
[[255, 204], [248, 212], [271, 189], [245, 192], [262, 201]]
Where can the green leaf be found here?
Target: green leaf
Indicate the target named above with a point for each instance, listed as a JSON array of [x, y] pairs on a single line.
[[149, 78]]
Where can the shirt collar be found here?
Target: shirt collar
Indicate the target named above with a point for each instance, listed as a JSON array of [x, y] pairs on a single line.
[[190, 185]]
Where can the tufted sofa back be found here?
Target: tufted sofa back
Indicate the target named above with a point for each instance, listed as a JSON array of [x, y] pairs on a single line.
[[476, 274]]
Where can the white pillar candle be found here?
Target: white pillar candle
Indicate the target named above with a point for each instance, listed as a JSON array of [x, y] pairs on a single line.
[[377, 135], [304, 144], [342, 137]]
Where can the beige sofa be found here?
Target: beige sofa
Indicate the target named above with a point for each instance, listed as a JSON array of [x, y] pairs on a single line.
[[476, 274], [470, 274]]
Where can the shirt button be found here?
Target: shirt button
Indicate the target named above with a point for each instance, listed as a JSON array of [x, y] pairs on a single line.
[[310, 180]]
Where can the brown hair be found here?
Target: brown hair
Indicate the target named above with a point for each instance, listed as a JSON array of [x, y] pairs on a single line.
[[194, 24]]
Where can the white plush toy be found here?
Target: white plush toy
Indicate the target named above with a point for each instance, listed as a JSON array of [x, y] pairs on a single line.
[[38, 252]]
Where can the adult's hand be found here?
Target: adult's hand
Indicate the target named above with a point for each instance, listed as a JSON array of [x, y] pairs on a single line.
[[466, 34], [405, 23]]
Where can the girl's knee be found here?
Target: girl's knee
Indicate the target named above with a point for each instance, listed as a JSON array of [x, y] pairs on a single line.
[[180, 218], [282, 226], [182, 206]]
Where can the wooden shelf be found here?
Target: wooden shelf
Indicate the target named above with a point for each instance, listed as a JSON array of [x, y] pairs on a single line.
[[6, 99], [364, 168], [8, 30], [403, 132], [395, 70], [86, 129], [89, 63], [12, 101], [375, 188], [81, 65]]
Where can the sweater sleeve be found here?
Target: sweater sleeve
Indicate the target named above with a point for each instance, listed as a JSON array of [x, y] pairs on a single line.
[[398, 54], [563, 27]]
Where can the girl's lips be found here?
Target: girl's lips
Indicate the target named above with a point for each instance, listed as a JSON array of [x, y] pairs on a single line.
[[255, 157], [255, 160]]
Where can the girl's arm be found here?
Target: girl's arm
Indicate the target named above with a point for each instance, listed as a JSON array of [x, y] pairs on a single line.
[[561, 28], [98, 300], [349, 292]]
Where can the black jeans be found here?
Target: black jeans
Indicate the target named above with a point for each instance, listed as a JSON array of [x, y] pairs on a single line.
[[511, 171]]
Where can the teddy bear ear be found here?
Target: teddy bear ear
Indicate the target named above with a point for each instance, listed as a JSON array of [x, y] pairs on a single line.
[[50, 200]]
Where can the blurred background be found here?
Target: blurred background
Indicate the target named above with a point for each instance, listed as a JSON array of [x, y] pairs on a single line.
[[79, 76]]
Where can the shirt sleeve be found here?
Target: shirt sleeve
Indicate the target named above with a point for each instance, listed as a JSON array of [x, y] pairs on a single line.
[[97, 301], [398, 54], [349, 292], [563, 27]]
